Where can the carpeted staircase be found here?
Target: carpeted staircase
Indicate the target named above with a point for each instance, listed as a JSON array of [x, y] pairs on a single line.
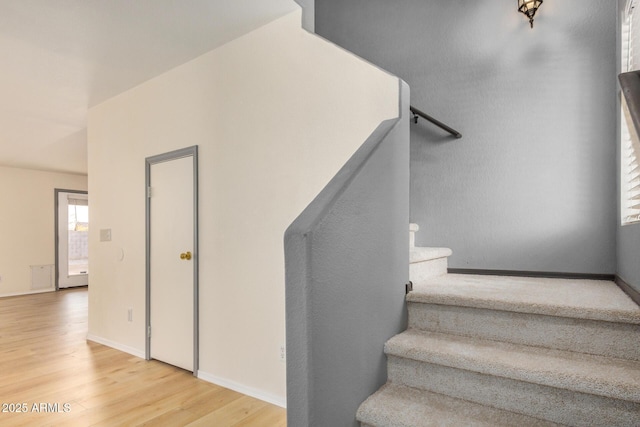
[[509, 351]]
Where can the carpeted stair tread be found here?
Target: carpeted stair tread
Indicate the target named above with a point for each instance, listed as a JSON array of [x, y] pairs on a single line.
[[421, 254], [562, 333], [598, 375], [575, 298], [399, 406]]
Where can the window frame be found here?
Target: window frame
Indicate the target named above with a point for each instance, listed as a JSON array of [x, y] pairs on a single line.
[[629, 140]]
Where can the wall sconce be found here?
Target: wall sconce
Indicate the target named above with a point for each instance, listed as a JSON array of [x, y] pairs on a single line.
[[529, 8]]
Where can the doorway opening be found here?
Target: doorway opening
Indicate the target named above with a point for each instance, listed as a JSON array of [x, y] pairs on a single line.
[[172, 258], [71, 238]]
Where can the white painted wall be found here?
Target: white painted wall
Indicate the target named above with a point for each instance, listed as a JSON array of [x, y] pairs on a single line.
[[27, 223], [275, 114]]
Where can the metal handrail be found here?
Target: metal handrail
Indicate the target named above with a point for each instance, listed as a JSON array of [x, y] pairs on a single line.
[[438, 123]]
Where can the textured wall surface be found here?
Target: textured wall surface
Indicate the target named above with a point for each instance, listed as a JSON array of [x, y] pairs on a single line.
[[532, 184], [346, 265]]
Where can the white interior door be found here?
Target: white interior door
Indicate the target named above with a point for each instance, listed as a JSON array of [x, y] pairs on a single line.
[[73, 239], [171, 262]]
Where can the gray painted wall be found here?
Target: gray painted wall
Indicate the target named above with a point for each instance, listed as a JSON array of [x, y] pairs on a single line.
[[628, 237], [308, 14], [532, 184], [347, 260]]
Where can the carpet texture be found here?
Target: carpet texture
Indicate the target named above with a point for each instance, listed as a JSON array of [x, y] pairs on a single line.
[[485, 350], [612, 339], [608, 377], [400, 406], [587, 299]]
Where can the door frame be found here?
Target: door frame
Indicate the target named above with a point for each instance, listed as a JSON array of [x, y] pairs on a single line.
[[56, 218], [150, 161]]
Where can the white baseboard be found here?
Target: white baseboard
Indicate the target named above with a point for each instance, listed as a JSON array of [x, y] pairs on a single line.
[[222, 382], [240, 388], [117, 346], [37, 291]]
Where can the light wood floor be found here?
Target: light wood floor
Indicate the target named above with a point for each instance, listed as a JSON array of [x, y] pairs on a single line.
[[45, 360]]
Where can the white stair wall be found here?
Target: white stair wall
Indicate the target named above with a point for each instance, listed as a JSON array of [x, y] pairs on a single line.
[[425, 262]]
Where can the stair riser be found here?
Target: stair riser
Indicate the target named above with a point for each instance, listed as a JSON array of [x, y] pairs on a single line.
[[580, 335], [399, 406], [423, 270], [548, 403]]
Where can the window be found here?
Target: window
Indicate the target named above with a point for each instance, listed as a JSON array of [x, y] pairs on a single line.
[[630, 143]]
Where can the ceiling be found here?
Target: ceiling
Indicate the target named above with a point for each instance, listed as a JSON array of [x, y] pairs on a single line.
[[58, 58]]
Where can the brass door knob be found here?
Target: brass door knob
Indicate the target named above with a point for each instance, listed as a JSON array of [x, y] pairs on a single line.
[[185, 255]]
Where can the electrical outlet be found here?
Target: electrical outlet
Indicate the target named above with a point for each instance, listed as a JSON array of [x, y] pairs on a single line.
[[282, 353], [0, 278], [130, 314]]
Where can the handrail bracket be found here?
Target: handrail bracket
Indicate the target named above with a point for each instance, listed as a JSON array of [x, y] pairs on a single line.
[[417, 113]]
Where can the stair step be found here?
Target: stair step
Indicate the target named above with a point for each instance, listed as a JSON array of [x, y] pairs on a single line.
[[582, 299], [553, 313], [420, 254], [560, 386], [563, 351], [602, 376], [400, 406], [612, 339], [425, 263]]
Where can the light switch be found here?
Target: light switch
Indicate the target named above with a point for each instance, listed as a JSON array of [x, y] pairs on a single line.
[[105, 235]]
